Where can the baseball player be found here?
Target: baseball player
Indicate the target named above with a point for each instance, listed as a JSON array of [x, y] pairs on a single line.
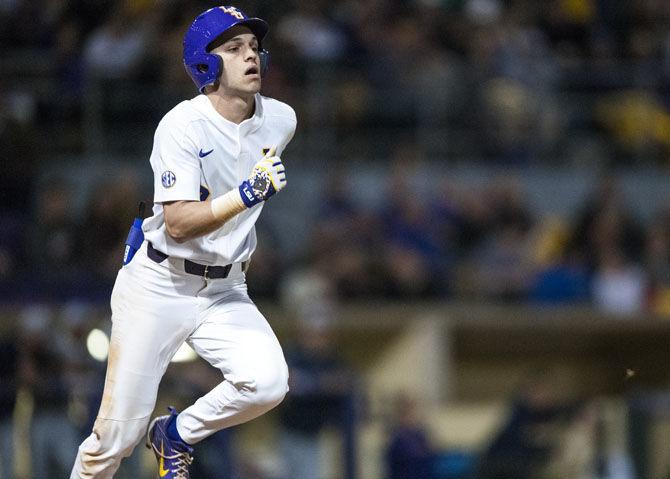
[[216, 161]]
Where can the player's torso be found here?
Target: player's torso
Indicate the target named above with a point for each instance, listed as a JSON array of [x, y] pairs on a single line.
[[226, 153], [227, 157]]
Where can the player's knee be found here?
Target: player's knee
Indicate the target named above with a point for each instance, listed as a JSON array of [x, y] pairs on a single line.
[[111, 441], [272, 386]]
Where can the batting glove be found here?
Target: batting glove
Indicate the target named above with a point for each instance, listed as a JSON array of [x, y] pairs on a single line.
[[267, 178]]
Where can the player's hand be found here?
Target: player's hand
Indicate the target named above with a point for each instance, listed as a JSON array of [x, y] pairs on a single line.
[[267, 178]]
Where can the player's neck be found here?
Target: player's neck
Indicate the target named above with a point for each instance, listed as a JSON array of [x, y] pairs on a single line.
[[233, 108]]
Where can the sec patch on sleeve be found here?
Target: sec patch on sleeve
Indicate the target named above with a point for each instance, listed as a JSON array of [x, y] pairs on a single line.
[[169, 179]]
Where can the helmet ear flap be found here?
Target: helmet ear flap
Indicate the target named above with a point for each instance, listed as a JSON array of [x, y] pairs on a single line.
[[206, 70], [264, 60], [218, 67]]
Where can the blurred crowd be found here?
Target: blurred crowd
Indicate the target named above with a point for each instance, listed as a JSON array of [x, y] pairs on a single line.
[[516, 82], [512, 82], [445, 241], [505, 81], [487, 241], [52, 385], [52, 375]]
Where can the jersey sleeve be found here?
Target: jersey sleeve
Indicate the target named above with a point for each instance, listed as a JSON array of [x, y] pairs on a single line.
[[290, 124], [175, 163]]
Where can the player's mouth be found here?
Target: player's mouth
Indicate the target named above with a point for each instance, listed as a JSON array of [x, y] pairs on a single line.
[[251, 71]]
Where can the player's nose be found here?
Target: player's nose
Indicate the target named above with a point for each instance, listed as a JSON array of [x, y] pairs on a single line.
[[251, 54]]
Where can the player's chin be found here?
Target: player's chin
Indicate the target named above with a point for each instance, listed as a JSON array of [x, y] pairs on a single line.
[[251, 85], [254, 81]]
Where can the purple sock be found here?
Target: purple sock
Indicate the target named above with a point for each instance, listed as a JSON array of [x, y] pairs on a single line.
[[172, 432]]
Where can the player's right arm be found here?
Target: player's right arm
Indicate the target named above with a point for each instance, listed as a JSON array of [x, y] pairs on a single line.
[[185, 220]]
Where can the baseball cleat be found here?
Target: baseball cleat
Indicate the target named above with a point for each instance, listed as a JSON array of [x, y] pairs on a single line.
[[173, 457]]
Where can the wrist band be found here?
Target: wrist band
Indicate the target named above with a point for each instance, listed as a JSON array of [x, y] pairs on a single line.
[[226, 206]]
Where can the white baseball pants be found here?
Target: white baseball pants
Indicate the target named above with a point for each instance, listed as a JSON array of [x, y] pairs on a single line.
[[155, 308]]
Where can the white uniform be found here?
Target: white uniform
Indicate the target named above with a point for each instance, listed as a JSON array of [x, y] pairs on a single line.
[[157, 304]]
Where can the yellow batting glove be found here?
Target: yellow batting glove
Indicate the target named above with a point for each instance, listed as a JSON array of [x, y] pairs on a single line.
[[267, 178]]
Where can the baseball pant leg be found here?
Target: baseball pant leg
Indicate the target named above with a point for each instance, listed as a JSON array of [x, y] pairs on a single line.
[[235, 338], [153, 311]]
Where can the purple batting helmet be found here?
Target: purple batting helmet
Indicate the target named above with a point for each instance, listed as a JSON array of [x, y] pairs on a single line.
[[203, 67]]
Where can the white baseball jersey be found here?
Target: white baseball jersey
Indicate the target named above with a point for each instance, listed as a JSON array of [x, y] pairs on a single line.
[[198, 153]]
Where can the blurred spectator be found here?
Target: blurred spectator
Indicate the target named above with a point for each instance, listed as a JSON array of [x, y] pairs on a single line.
[[605, 221], [12, 237], [409, 454], [17, 181], [108, 216], [320, 387], [165, 54], [18, 150], [53, 437], [52, 248], [657, 262], [524, 445], [509, 206], [610, 241], [503, 265], [518, 89], [639, 123], [508, 121], [503, 268], [411, 252], [310, 32], [69, 72], [116, 49], [84, 375], [268, 268], [560, 276], [343, 241], [411, 76], [569, 24], [9, 365], [321, 384], [619, 285]]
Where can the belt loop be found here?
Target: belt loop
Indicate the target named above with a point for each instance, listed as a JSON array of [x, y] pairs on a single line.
[[204, 274]]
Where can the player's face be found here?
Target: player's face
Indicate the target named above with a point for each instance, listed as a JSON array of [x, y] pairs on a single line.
[[241, 63]]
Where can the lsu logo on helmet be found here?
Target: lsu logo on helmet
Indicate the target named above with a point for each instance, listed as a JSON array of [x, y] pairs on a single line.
[[234, 12]]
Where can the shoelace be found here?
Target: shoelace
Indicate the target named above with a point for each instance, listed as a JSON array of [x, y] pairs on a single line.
[[181, 462]]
